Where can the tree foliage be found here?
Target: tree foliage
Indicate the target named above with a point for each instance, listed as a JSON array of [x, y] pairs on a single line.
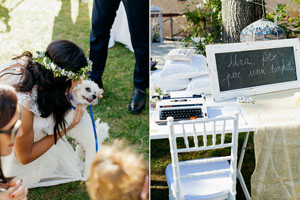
[[204, 23], [288, 23]]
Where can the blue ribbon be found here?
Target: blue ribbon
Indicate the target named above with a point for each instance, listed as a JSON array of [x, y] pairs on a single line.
[[94, 127]]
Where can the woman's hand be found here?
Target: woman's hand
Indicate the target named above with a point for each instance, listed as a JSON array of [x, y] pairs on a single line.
[[78, 113], [145, 190], [16, 192]]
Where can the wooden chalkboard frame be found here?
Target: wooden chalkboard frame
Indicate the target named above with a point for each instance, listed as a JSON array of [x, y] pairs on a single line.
[[212, 50]]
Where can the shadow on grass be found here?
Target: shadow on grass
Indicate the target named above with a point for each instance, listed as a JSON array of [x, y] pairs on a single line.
[[4, 15], [78, 32], [160, 194]]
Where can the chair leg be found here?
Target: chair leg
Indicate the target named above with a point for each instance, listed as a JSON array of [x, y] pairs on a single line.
[[171, 195], [231, 197]]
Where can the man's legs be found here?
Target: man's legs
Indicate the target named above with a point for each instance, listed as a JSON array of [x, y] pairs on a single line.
[[104, 13], [138, 20]]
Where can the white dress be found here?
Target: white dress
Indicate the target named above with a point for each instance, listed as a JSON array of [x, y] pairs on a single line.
[[60, 164]]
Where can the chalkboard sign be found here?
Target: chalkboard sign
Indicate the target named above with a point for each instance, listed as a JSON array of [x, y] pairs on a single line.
[[252, 68]]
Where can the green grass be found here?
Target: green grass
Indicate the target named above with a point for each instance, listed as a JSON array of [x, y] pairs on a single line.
[[160, 158], [69, 191], [117, 78]]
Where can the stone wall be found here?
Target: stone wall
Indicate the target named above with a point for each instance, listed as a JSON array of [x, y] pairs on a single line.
[[173, 6]]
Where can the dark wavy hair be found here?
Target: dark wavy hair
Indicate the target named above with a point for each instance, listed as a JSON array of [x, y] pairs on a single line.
[[51, 98], [8, 108], [8, 104]]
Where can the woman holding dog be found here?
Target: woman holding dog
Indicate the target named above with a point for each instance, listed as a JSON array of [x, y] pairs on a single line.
[[9, 128], [42, 155]]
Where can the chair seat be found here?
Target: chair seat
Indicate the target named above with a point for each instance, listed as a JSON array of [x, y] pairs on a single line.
[[203, 187]]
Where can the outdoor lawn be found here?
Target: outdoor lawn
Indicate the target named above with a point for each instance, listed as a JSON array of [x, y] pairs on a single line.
[[32, 25]]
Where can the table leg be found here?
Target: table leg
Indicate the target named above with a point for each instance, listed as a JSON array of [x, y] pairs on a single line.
[[171, 23], [239, 174], [161, 26]]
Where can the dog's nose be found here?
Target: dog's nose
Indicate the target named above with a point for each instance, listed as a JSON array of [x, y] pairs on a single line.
[[94, 96]]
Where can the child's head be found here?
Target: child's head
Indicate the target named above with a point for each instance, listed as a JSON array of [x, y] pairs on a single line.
[[117, 173]]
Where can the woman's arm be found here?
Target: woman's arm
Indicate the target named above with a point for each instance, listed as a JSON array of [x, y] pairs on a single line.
[[25, 148]]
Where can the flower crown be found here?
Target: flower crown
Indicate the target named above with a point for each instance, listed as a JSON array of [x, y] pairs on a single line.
[[45, 61]]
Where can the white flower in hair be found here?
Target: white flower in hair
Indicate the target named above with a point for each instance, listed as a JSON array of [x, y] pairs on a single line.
[[53, 67], [45, 62]]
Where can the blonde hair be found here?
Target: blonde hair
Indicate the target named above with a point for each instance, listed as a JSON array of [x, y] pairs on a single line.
[[117, 173]]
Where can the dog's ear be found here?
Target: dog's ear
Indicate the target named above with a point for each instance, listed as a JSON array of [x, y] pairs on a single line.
[[100, 92], [77, 87]]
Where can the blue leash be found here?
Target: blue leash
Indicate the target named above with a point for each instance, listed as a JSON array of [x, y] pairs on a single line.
[[94, 127]]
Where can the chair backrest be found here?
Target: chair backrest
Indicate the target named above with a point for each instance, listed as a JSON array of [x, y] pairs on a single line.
[[210, 130]]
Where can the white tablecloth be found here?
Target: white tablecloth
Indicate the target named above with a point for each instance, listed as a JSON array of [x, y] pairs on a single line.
[[120, 30]]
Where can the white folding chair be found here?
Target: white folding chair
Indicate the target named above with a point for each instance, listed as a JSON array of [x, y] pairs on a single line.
[[206, 178]]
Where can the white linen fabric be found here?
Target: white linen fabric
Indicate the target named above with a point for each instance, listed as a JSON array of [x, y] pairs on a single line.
[[183, 70], [201, 83], [168, 84], [60, 164], [120, 30], [275, 117]]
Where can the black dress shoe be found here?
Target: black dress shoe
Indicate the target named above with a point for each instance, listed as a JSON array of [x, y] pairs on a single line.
[[137, 102]]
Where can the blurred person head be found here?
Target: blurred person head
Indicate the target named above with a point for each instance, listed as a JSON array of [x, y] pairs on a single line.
[[118, 173], [9, 118], [9, 122]]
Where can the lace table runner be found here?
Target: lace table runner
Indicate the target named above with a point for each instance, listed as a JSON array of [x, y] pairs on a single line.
[[276, 118]]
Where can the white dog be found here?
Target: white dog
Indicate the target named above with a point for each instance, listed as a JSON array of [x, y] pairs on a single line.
[[86, 94]]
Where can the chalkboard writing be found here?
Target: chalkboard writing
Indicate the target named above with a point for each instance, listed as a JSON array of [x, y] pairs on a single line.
[[251, 68]]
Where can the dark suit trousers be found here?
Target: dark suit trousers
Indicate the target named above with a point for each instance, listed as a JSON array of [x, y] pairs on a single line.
[[104, 13]]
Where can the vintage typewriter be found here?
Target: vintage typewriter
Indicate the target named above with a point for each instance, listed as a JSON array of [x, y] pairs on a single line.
[[181, 109]]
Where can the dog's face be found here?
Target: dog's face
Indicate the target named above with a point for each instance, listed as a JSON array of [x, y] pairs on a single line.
[[87, 93]]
